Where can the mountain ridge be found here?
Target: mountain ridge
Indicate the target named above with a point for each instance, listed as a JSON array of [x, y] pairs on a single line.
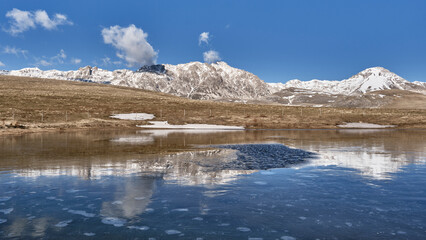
[[219, 81]]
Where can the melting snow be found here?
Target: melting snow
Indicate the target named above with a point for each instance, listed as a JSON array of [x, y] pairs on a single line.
[[166, 125], [364, 125], [133, 116]]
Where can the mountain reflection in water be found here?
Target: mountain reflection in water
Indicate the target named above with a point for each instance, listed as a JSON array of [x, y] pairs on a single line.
[[226, 184]]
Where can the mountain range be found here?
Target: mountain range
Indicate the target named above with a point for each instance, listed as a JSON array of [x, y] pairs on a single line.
[[219, 81]]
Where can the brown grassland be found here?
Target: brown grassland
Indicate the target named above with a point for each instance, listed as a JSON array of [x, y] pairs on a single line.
[[32, 104]]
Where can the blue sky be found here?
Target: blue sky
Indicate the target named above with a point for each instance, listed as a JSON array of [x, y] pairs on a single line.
[[276, 40]]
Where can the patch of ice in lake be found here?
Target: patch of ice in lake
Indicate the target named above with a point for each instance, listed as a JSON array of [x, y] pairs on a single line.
[[117, 202], [72, 190], [149, 210], [180, 210], [4, 199], [89, 234], [140, 198], [267, 172], [142, 228], [260, 183], [80, 196], [288, 238], [172, 232], [223, 224], [243, 229], [401, 232], [116, 222], [198, 219], [54, 198], [63, 223], [6, 211], [254, 238], [348, 224], [302, 218], [81, 212], [133, 116], [31, 217], [3, 220]]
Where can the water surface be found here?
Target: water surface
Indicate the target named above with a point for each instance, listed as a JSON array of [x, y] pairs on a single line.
[[331, 184]]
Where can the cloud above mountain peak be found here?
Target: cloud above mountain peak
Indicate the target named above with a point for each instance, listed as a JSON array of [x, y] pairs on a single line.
[[131, 44]]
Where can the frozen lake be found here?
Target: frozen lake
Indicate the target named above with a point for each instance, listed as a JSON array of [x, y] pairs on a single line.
[[168, 184]]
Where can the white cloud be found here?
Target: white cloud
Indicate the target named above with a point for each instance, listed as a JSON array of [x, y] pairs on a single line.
[[211, 56], [75, 61], [21, 21], [15, 51], [43, 63], [107, 61], [203, 38], [2, 64], [57, 59], [131, 44], [44, 20], [60, 57]]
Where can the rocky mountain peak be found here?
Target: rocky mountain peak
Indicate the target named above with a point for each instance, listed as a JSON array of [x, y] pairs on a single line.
[[158, 68]]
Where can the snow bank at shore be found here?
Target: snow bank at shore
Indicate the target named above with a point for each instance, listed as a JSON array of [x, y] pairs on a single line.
[[166, 125], [364, 125], [133, 116]]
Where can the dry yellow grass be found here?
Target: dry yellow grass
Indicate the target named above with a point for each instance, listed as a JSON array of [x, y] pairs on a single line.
[[45, 103]]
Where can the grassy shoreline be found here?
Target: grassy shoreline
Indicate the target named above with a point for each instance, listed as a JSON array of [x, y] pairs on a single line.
[[47, 105]]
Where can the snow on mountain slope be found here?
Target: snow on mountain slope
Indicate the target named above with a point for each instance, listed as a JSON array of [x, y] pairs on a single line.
[[371, 79], [193, 80]]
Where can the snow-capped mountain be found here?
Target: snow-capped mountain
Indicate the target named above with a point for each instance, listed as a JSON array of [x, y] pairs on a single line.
[[193, 80], [220, 81], [371, 79]]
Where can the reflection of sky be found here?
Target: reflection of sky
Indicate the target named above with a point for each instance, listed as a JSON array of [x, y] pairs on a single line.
[[371, 161]]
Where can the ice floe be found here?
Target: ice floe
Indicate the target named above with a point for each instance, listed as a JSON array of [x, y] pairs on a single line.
[[116, 222], [4, 199], [243, 229], [133, 116], [142, 228], [6, 211], [63, 223], [2, 220], [172, 232], [81, 212], [180, 210], [288, 238], [89, 234]]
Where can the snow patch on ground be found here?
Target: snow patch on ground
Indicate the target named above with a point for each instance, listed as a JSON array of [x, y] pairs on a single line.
[[133, 116], [166, 125], [364, 125]]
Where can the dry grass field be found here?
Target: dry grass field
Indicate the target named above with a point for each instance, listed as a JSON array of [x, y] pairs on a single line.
[[36, 104]]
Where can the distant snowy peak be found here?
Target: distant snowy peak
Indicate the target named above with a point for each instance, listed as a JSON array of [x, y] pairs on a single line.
[[371, 79]]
